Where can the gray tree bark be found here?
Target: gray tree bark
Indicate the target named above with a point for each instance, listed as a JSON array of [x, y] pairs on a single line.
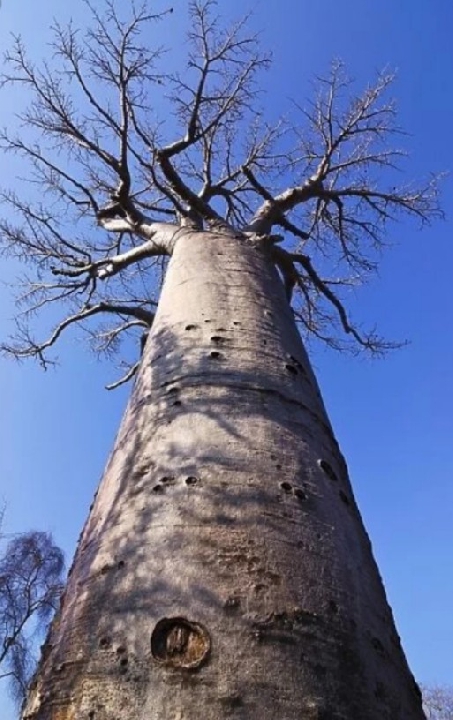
[[224, 571]]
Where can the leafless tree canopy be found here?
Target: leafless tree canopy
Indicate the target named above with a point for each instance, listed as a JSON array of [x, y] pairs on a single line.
[[438, 702], [101, 156], [31, 569]]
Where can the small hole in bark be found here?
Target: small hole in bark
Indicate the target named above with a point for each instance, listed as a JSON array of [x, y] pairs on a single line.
[[124, 662], [191, 480], [167, 480], [344, 497], [268, 313], [278, 466], [218, 339], [215, 355], [180, 643], [221, 329], [191, 327], [320, 671], [333, 607], [105, 642], [291, 369], [264, 342], [207, 321], [378, 646], [120, 650], [236, 322], [273, 457], [232, 603], [91, 715], [231, 701], [173, 390], [327, 468], [121, 564], [286, 486], [158, 489], [177, 403], [300, 494]]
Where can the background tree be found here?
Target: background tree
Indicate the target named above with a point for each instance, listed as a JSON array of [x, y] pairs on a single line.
[[225, 183], [438, 702], [31, 578]]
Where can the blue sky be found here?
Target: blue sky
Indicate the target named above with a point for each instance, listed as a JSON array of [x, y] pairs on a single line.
[[392, 417]]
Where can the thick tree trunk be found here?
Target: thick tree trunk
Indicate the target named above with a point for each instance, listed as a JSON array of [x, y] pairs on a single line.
[[224, 571]]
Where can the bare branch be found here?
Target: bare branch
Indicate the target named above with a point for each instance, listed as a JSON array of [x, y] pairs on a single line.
[[102, 168], [31, 348], [128, 376], [287, 264]]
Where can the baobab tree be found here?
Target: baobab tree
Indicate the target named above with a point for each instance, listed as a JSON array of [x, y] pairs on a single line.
[[224, 570]]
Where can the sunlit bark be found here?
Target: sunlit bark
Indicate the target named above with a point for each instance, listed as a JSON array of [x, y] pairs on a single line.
[[224, 570]]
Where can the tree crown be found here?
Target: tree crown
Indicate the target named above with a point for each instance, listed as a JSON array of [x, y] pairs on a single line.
[[101, 155]]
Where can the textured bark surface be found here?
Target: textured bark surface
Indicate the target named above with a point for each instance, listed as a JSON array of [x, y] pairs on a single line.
[[224, 571]]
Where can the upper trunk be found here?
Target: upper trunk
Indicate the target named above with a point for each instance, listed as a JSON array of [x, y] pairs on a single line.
[[224, 570]]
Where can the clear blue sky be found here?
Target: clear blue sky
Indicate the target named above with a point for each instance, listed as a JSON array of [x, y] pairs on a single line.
[[393, 418]]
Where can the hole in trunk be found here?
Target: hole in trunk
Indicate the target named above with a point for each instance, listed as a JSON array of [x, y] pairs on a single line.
[[191, 327], [218, 339], [158, 489], [232, 603], [344, 497], [291, 369], [215, 355], [177, 403], [300, 494], [324, 465], [191, 480], [286, 486], [180, 643], [378, 646]]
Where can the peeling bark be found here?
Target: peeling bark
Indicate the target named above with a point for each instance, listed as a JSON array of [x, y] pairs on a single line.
[[224, 570]]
